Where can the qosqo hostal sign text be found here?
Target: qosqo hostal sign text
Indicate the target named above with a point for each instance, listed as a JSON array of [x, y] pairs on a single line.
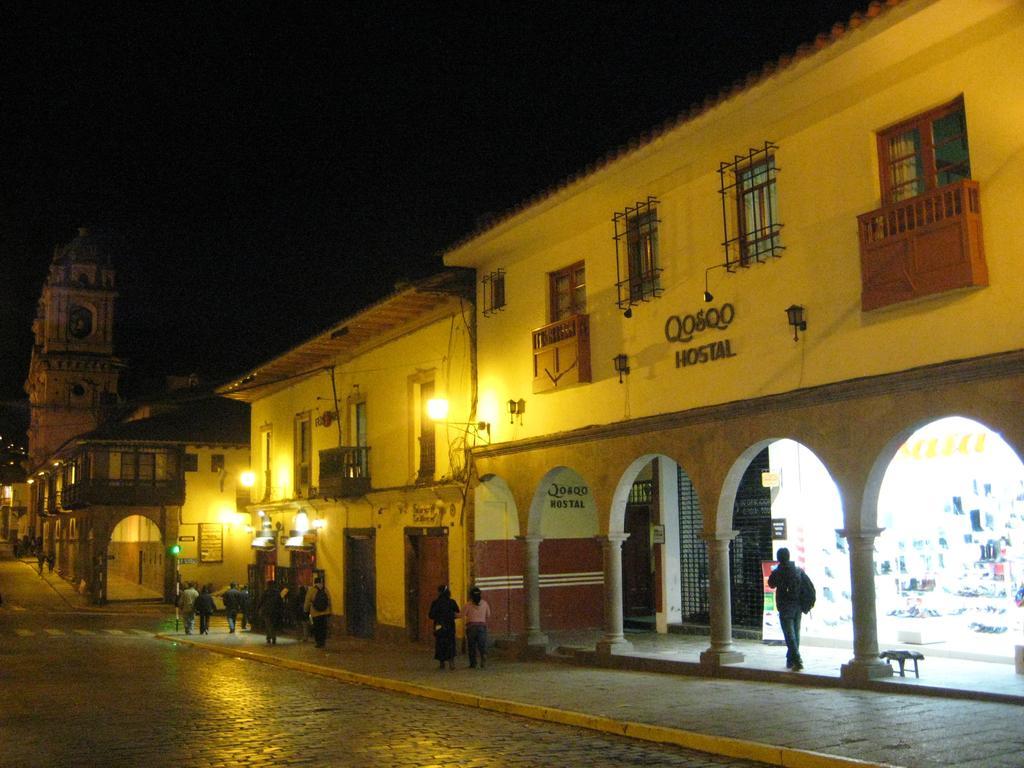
[[683, 329]]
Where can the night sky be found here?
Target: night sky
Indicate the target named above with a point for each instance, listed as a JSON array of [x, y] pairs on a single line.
[[269, 168]]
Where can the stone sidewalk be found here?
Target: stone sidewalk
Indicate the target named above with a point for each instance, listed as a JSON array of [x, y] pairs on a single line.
[[806, 726]]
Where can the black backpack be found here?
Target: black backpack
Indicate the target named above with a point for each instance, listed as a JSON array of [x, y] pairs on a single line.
[[807, 593], [320, 599]]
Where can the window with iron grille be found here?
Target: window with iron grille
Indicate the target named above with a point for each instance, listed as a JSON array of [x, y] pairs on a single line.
[[494, 292], [924, 153], [638, 270], [750, 207]]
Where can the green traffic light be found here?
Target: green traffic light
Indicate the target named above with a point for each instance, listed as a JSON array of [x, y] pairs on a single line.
[[175, 549]]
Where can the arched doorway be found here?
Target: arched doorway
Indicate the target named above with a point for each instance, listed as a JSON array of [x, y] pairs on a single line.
[[950, 559], [664, 562], [135, 560], [785, 497], [498, 556]]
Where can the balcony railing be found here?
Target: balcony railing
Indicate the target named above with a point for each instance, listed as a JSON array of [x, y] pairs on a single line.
[[929, 244], [561, 354], [344, 472], [122, 493]]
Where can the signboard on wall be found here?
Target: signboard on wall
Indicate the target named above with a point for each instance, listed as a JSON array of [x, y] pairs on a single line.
[[568, 509], [211, 543]]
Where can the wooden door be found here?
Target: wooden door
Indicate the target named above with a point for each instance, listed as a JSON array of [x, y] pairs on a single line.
[[360, 585], [637, 573], [426, 569]]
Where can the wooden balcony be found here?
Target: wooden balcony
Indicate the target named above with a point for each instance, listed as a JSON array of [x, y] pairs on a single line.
[[122, 493], [929, 244], [561, 354], [344, 472]]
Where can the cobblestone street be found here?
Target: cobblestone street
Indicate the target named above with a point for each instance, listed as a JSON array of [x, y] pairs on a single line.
[[121, 698]]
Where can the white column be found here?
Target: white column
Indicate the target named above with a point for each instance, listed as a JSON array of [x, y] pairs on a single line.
[[865, 664], [614, 641], [721, 650], [668, 515], [534, 637]]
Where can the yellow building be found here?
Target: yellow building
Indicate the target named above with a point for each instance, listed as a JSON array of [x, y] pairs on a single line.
[[134, 508], [726, 338], [115, 488], [352, 476]]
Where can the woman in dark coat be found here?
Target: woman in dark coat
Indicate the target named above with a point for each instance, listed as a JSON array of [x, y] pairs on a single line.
[[205, 608], [443, 612], [271, 609]]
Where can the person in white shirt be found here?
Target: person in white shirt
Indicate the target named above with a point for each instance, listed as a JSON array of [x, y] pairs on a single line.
[[477, 612]]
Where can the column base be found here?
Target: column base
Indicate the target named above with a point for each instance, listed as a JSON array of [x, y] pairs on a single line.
[[717, 657], [534, 645], [537, 638], [861, 670], [607, 646]]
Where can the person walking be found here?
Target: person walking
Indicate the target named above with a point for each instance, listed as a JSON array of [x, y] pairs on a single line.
[[41, 559], [232, 606], [51, 560], [443, 612], [245, 606], [478, 611], [187, 604], [271, 609], [786, 579], [318, 606], [205, 607]]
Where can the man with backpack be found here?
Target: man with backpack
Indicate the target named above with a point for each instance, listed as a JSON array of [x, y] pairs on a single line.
[[794, 594], [318, 606]]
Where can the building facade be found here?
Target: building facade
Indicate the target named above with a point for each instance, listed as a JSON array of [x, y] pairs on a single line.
[[723, 340], [353, 476], [126, 498]]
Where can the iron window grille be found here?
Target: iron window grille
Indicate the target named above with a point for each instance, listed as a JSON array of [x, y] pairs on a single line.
[[494, 292], [750, 209], [637, 265]]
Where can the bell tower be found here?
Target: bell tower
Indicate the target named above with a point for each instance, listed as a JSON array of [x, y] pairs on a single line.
[[73, 375]]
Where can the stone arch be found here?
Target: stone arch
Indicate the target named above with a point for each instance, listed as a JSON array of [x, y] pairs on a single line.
[[868, 511], [497, 553], [137, 557], [651, 571], [945, 510]]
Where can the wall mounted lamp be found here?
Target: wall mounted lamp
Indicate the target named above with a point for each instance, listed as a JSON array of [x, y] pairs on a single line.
[[708, 298], [621, 365], [795, 315], [516, 408]]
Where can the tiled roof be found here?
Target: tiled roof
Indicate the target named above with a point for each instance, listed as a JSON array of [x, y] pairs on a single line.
[[206, 421], [345, 339]]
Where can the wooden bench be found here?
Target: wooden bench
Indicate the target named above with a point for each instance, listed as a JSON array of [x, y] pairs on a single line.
[[902, 657]]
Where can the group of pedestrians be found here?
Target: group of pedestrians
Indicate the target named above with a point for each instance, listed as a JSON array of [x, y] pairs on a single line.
[[194, 602], [313, 609], [443, 612], [45, 560]]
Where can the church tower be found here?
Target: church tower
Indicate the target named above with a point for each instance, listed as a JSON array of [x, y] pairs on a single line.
[[73, 374]]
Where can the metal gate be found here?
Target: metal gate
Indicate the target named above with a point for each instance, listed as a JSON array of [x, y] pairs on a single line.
[[751, 516], [693, 555]]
